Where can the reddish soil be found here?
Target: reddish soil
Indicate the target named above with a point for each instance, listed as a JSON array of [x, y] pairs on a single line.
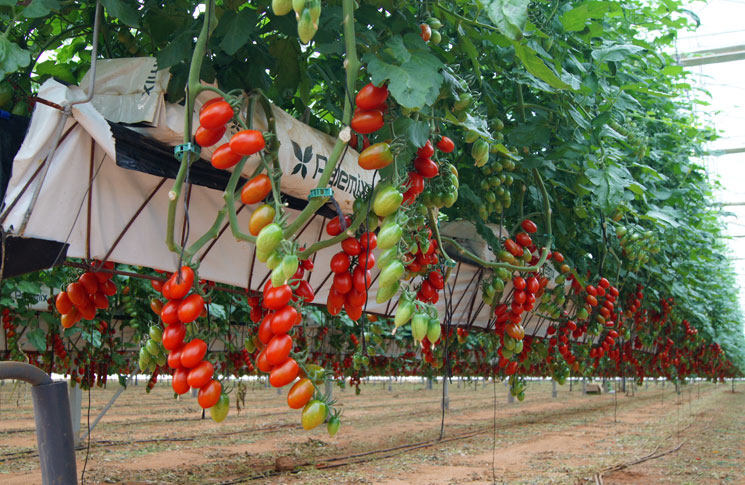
[[156, 439]]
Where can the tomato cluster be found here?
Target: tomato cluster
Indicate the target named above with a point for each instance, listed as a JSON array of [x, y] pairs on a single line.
[[370, 103], [84, 296]]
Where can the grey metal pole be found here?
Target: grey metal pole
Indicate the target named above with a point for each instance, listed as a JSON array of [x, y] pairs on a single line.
[[445, 394], [53, 426], [554, 393], [75, 400], [584, 386]]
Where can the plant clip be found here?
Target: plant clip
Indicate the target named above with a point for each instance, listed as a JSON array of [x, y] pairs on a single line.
[[323, 192], [450, 263], [179, 150]]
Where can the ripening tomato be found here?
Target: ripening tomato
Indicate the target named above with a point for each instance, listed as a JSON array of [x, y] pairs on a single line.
[[256, 189], [445, 145], [278, 349], [367, 121], [425, 32], [193, 353], [70, 318], [314, 413], [333, 227], [300, 393], [90, 282], [201, 374], [426, 167], [376, 156], [282, 375], [63, 303], [76, 293], [173, 336], [276, 298], [340, 262], [261, 217], [180, 383], [223, 157], [215, 115], [283, 320], [371, 97], [247, 142], [206, 137], [209, 394], [190, 308]]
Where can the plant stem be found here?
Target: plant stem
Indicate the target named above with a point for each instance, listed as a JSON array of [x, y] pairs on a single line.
[[352, 65]]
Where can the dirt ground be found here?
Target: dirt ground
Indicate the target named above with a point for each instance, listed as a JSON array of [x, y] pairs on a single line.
[[391, 437]]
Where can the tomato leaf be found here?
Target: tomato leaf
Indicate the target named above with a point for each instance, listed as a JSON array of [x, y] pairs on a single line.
[[12, 57], [509, 16], [123, 11], [38, 338], [615, 53], [179, 49], [412, 72], [574, 20], [537, 67], [236, 29], [416, 132]]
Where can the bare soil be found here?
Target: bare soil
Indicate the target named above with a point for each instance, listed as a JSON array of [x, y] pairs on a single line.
[[392, 437]]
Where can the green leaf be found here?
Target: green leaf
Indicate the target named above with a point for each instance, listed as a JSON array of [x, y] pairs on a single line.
[[179, 49], [218, 311], [509, 16], [40, 8], [38, 338], [667, 215], [537, 67], [236, 29], [472, 53], [287, 72], [56, 70], [8, 3], [412, 74], [615, 53], [26, 286], [12, 57], [124, 11], [609, 185], [575, 19]]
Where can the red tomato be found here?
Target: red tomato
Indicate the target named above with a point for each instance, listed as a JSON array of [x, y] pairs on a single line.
[[284, 374], [201, 374], [361, 279], [193, 353], [88, 312], [532, 284], [278, 349], [426, 167], [108, 288], [247, 142], [603, 283], [70, 318], [557, 256], [307, 264], [63, 303], [190, 308], [209, 394], [305, 292], [169, 313], [157, 285], [371, 97], [425, 32], [426, 151], [529, 226], [256, 189], [343, 282], [339, 262], [76, 293], [354, 312], [519, 282], [333, 228], [369, 241], [181, 283], [206, 138], [513, 248], [445, 145], [283, 320], [262, 364], [351, 246], [173, 336], [215, 115], [100, 301], [276, 298], [427, 290], [174, 358], [415, 183], [223, 157], [265, 329], [356, 297], [435, 278], [523, 239], [367, 121], [180, 383]]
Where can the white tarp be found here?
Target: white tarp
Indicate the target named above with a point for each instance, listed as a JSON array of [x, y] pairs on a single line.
[[61, 212]]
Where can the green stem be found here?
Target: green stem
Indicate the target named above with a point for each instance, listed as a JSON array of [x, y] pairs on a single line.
[[229, 197], [207, 236], [465, 19], [352, 65], [193, 88], [356, 223], [495, 265], [436, 231]]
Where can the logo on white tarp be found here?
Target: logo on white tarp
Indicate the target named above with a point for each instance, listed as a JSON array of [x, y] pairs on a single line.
[[341, 179]]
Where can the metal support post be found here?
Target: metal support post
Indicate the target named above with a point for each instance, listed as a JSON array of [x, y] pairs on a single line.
[[554, 392]]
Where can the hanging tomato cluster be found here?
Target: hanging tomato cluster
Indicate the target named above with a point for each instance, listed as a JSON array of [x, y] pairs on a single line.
[[370, 105], [83, 297]]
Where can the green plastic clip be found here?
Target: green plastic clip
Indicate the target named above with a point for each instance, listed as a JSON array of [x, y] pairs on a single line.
[[179, 150], [324, 192]]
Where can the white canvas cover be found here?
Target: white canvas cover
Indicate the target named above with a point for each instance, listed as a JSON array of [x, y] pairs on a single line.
[[61, 213]]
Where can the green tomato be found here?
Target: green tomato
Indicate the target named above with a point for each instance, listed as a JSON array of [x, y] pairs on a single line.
[[385, 293], [387, 200], [219, 411], [268, 240], [156, 333], [152, 347], [278, 277], [289, 265], [391, 274], [403, 313], [419, 326], [332, 427], [433, 330], [387, 256], [389, 235]]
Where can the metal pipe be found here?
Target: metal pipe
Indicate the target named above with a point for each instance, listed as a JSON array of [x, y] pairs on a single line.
[[53, 425]]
